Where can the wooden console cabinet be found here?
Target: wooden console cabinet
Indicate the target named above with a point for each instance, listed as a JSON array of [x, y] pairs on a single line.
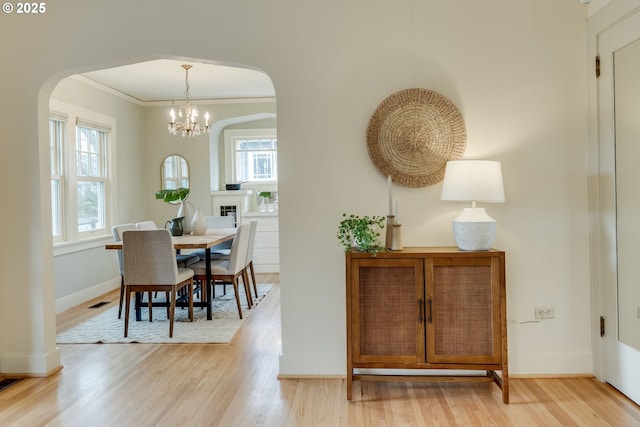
[[426, 308]]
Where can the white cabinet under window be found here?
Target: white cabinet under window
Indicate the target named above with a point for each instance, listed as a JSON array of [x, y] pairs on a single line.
[[266, 254]]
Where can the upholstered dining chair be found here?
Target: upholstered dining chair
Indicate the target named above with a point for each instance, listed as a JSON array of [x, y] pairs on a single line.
[[184, 260], [146, 225], [229, 270], [249, 261], [117, 231], [219, 221], [150, 265], [251, 275]]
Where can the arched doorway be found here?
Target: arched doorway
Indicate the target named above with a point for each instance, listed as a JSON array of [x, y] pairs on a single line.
[[141, 139]]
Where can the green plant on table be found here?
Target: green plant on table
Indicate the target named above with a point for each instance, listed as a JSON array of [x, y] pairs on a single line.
[[173, 195], [363, 232]]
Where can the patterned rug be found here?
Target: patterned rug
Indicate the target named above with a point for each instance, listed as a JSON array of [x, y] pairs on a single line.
[[107, 328]]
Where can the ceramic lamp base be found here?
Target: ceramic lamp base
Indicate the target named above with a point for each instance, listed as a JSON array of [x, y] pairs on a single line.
[[474, 230]]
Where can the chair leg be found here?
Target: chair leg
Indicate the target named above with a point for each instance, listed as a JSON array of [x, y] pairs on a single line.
[[235, 287], [190, 296], [204, 289], [121, 297], [150, 307], [166, 298], [247, 287], [253, 279], [126, 313], [172, 313]]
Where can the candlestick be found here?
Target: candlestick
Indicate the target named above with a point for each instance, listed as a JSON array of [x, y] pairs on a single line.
[[390, 194], [396, 241], [388, 242]]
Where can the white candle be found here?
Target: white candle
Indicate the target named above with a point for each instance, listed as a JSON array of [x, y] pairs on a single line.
[[390, 195]]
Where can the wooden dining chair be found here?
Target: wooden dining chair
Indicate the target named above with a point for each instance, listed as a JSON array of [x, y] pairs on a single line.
[[150, 265], [230, 270]]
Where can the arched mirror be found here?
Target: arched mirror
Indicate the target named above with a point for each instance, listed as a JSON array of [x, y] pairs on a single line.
[[174, 172]]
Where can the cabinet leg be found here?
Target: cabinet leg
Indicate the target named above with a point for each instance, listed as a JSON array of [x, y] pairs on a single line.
[[502, 382]]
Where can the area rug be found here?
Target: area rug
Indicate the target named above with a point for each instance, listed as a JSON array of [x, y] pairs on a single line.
[[106, 328]]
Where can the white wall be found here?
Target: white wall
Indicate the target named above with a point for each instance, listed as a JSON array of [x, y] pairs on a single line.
[[90, 272], [516, 71]]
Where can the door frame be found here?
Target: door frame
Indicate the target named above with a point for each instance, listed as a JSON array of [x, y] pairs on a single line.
[[606, 33]]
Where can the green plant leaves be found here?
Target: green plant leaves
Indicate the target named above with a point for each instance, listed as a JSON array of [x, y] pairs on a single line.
[[364, 232], [172, 195]]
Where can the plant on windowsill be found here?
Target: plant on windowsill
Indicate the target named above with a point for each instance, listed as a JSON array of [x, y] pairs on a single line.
[[361, 232]]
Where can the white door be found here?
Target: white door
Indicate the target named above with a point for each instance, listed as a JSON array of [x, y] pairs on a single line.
[[619, 178]]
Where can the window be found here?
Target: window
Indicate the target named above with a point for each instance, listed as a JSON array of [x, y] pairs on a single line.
[[91, 177], [57, 125], [253, 155], [82, 200]]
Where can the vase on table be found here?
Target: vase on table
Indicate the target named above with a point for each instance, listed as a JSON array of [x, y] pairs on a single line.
[[199, 223], [186, 211], [175, 226]]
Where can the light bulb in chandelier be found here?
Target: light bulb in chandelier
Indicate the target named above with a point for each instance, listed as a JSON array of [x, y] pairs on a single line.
[[190, 125]]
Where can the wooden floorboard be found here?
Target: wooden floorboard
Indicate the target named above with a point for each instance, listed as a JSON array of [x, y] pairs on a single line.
[[236, 385]]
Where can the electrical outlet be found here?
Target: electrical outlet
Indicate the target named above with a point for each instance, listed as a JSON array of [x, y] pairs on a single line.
[[545, 312]]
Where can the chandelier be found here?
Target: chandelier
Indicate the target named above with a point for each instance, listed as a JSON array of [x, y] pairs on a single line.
[[190, 125]]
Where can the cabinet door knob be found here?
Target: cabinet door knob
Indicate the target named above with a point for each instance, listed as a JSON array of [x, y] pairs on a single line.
[[430, 319]]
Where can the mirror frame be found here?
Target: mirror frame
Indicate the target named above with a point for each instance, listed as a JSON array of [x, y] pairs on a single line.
[[178, 172]]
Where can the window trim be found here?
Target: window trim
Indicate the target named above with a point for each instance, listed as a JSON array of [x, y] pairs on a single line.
[[230, 136], [59, 174], [71, 240]]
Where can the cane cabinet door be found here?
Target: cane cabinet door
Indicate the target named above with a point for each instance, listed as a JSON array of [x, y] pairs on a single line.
[[463, 310], [387, 297]]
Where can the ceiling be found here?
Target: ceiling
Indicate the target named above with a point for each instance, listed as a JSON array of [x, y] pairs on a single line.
[[164, 80]]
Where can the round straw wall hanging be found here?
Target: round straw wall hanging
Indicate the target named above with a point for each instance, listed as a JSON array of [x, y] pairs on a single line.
[[412, 134]]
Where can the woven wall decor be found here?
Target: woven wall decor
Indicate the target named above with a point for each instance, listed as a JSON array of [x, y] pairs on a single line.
[[412, 134]]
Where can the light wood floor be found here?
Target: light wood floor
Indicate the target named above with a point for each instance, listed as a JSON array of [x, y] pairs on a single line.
[[237, 385]]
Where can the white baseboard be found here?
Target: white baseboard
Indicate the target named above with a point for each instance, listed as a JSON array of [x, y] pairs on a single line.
[[70, 301]]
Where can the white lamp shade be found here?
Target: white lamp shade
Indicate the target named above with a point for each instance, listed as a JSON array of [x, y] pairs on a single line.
[[473, 180]]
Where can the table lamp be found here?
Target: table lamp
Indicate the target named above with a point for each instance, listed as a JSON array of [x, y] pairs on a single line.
[[473, 181]]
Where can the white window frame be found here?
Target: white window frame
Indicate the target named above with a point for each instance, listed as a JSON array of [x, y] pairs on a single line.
[[230, 137], [71, 239], [57, 137]]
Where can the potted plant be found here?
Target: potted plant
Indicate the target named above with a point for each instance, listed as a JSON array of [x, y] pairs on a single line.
[[265, 201], [361, 232], [175, 196]]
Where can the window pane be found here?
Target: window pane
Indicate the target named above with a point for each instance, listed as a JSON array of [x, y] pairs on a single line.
[[55, 207], [90, 149], [56, 138], [90, 205], [256, 159]]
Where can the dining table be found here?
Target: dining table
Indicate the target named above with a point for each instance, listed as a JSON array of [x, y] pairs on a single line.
[[213, 237]]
